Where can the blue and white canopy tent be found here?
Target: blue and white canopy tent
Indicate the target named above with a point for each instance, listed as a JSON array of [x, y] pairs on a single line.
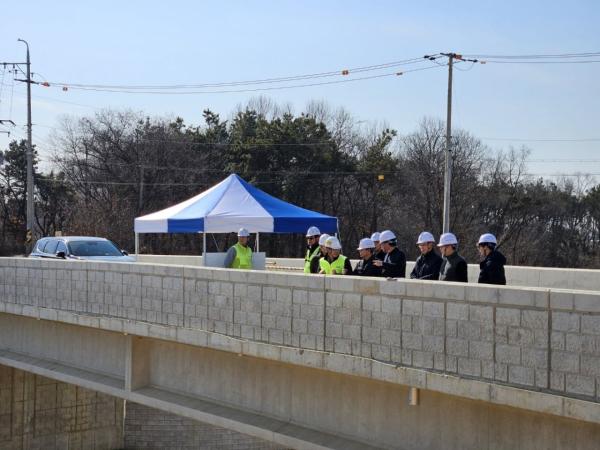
[[229, 206]]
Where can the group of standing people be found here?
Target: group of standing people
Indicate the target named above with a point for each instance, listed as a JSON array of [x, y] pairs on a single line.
[[381, 257]]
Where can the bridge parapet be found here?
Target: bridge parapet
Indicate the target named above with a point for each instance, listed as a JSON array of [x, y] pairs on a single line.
[[544, 340]]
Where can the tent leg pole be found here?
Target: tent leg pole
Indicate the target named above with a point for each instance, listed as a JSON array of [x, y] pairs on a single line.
[[137, 246], [204, 248], [257, 243]]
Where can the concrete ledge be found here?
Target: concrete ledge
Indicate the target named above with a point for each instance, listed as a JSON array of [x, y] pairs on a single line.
[[61, 372], [548, 277], [499, 394], [204, 410]]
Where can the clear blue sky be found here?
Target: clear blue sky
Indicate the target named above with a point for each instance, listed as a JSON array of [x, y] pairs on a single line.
[[142, 42]]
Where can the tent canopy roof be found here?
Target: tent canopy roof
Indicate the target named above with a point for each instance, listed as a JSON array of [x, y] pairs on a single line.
[[231, 205]]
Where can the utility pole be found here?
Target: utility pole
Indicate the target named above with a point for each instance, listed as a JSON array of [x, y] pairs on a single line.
[[30, 193], [141, 189], [29, 152], [448, 152]]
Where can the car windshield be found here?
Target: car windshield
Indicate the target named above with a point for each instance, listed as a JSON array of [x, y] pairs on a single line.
[[94, 248]]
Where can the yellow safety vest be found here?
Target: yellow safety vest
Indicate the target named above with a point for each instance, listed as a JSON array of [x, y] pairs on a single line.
[[308, 258], [336, 266], [243, 257]]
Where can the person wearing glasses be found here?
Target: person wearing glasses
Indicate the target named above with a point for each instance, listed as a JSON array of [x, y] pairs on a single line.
[[312, 247]]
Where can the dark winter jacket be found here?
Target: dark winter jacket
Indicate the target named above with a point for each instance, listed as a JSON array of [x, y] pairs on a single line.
[[366, 268], [314, 262], [454, 268], [427, 266], [492, 269], [394, 264]]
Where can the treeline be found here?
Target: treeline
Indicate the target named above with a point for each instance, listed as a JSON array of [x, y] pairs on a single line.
[[115, 166]]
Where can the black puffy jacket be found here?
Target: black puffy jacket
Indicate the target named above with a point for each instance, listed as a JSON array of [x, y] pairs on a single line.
[[394, 264], [427, 266], [367, 268], [454, 268], [492, 269]]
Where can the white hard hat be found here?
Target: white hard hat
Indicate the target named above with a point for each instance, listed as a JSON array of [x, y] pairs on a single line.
[[387, 235], [243, 233], [487, 238], [366, 243], [375, 236], [448, 239], [323, 239], [333, 243], [313, 231], [425, 237]]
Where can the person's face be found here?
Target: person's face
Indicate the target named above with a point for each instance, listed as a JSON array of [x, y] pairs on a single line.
[[377, 246], [483, 250], [324, 250], [334, 253], [425, 248], [446, 250], [311, 240], [365, 253], [386, 247], [243, 240]]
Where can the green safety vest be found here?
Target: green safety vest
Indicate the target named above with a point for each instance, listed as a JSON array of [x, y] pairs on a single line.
[[337, 265], [308, 258], [243, 257]]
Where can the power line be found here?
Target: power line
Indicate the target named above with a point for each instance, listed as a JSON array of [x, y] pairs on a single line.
[[536, 56], [306, 174], [582, 174], [491, 61], [270, 88], [564, 160], [541, 139], [342, 72]]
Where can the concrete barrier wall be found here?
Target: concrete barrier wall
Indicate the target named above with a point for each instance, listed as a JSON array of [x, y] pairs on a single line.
[[539, 339], [550, 277]]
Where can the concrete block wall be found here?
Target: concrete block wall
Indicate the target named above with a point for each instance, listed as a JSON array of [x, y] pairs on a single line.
[[547, 277], [539, 339], [575, 344], [40, 413]]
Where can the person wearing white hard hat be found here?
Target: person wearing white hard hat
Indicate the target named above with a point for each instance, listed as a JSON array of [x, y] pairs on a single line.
[[454, 267], [334, 263], [379, 253], [491, 268], [315, 261], [366, 267], [239, 256], [427, 266], [394, 262], [312, 247]]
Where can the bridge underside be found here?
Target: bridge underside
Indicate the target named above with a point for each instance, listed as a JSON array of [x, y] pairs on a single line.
[[295, 406]]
